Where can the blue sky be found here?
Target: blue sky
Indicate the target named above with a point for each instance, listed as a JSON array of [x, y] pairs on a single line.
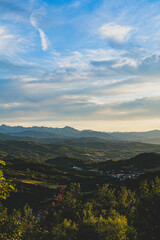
[[87, 64]]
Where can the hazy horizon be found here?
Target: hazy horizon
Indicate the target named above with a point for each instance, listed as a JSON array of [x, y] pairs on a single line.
[[86, 64], [62, 125]]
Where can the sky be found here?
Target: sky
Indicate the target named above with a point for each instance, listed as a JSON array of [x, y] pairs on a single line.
[[88, 64]]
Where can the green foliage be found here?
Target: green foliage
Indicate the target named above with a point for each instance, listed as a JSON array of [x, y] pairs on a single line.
[[67, 230], [5, 186], [148, 223], [113, 227], [18, 225], [106, 197], [72, 202], [127, 203]]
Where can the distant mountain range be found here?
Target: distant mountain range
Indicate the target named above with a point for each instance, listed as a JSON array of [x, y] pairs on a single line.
[[69, 132], [46, 132]]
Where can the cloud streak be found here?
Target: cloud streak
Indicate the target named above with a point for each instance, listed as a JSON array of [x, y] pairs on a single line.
[[43, 37]]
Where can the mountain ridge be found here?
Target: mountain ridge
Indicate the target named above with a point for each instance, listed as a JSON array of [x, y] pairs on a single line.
[[152, 136]]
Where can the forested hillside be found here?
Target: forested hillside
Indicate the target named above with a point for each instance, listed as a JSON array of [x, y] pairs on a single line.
[[108, 213], [88, 149]]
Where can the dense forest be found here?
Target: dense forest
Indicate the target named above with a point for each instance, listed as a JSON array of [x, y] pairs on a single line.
[[109, 213]]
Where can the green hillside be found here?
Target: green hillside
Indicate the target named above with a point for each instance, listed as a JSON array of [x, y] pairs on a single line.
[[88, 149], [142, 162]]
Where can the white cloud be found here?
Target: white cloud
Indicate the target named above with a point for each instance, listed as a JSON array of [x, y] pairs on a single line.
[[33, 21], [43, 37], [116, 33], [4, 34], [10, 105], [44, 40], [11, 42], [5, 37], [81, 60], [27, 79], [126, 61]]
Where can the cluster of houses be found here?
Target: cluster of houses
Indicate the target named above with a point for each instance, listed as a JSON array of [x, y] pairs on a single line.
[[123, 176], [118, 175]]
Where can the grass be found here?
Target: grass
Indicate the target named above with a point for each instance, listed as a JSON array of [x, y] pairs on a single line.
[[41, 183]]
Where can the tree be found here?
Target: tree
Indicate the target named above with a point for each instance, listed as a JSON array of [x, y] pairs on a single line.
[[67, 230], [149, 210], [71, 204], [114, 227], [106, 197], [5, 186], [127, 204], [19, 225]]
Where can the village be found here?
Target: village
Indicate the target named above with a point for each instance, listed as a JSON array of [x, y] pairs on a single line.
[[120, 175]]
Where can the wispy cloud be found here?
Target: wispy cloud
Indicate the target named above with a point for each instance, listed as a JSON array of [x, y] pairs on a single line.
[[5, 35], [43, 37], [44, 40], [11, 42]]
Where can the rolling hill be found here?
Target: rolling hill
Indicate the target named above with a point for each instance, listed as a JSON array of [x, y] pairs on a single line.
[[88, 149], [142, 162]]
